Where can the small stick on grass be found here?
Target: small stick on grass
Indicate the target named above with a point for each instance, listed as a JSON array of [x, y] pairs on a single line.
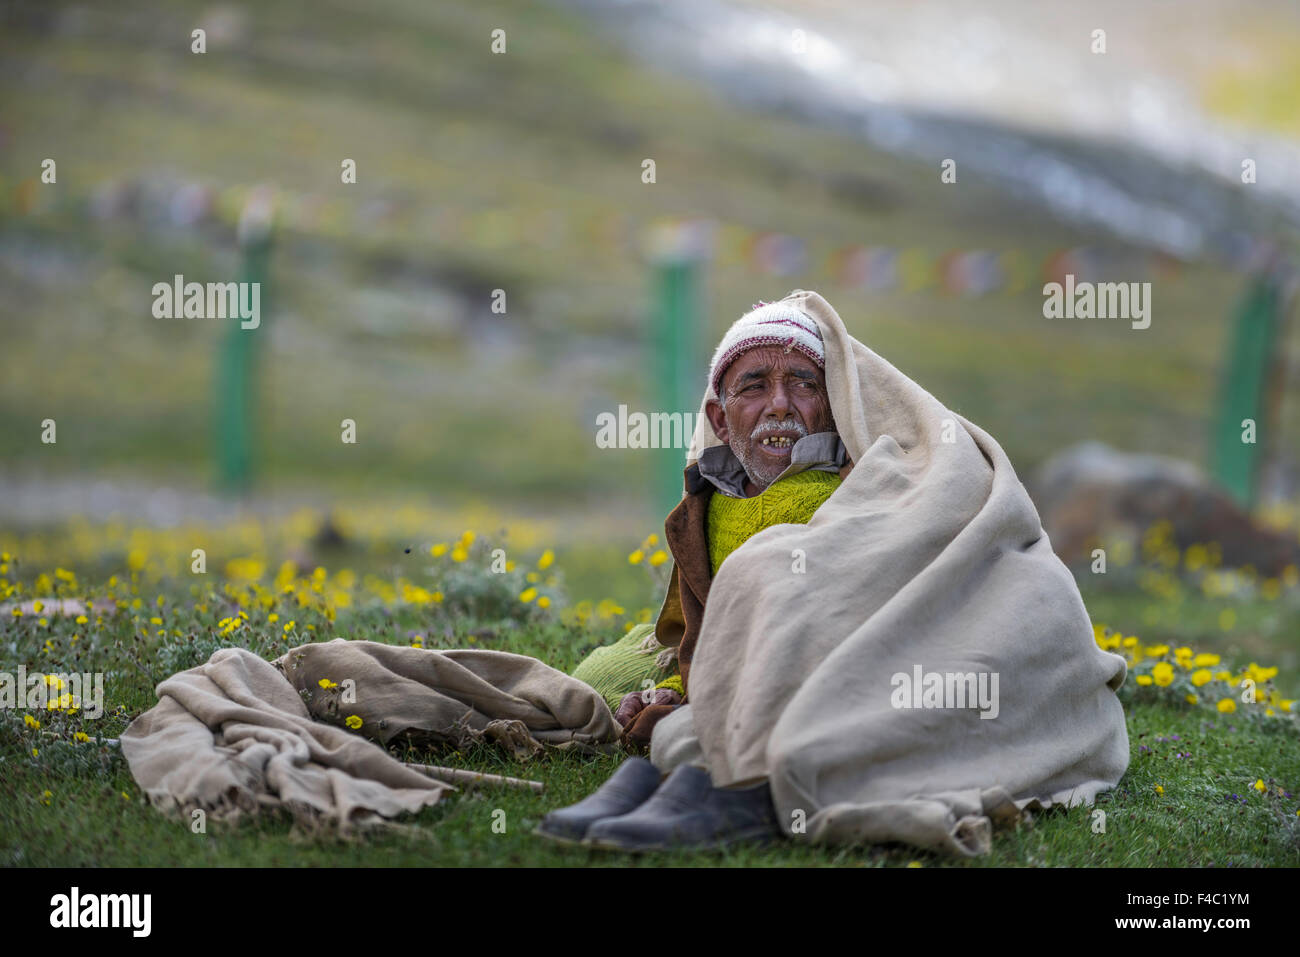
[[458, 776]]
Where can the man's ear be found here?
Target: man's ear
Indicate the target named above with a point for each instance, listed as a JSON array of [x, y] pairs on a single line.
[[718, 419]]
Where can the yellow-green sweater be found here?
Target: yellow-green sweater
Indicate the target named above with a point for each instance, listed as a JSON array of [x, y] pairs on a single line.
[[617, 669], [792, 500]]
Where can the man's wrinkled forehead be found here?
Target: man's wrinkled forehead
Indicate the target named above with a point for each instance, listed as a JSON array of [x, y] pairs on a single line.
[[758, 364]]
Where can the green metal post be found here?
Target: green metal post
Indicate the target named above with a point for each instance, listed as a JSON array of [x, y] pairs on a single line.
[[236, 369], [678, 374], [1234, 463]]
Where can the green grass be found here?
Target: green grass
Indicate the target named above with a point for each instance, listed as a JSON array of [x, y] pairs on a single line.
[[1206, 763], [1195, 822]]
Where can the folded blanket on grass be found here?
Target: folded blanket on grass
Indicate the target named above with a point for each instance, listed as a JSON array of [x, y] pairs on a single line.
[[832, 655], [239, 733]]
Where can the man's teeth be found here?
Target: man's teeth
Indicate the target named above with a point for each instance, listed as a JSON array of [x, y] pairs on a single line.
[[780, 441]]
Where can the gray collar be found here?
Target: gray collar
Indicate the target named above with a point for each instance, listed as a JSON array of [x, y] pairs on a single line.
[[719, 466]]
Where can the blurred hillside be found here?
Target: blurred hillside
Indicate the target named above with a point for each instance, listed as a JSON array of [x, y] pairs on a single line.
[[380, 293]]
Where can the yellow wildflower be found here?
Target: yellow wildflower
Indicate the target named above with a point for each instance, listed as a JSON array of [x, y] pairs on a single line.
[[326, 683], [82, 620], [635, 557], [1227, 706], [353, 721], [459, 554], [528, 594], [1143, 680], [1160, 789], [30, 721], [439, 549], [545, 561], [1260, 786], [80, 736], [543, 602], [658, 558], [1163, 674], [245, 569]]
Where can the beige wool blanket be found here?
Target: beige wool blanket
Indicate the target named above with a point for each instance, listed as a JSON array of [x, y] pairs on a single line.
[[240, 733], [818, 642]]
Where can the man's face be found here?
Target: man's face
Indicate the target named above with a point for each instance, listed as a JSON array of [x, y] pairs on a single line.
[[772, 398]]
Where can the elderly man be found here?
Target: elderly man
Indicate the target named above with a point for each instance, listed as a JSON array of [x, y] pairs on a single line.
[[840, 600], [781, 459]]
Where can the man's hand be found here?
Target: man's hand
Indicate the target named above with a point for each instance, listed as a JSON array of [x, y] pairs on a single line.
[[848, 467], [635, 701]]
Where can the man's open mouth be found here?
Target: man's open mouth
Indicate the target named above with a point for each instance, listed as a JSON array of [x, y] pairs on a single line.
[[779, 444]]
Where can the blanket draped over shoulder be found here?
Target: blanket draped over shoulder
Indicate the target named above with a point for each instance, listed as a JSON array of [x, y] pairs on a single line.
[[239, 733], [929, 557]]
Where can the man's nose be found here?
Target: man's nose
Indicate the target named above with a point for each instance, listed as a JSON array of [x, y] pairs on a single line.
[[780, 404]]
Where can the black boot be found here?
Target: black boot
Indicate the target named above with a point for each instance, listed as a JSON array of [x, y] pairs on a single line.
[[633, 782], [689, 813]]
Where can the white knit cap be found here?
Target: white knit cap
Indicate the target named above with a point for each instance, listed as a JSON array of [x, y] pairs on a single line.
[[767, 324]]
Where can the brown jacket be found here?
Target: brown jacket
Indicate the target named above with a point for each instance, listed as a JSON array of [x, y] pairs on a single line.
[[679, 619]]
